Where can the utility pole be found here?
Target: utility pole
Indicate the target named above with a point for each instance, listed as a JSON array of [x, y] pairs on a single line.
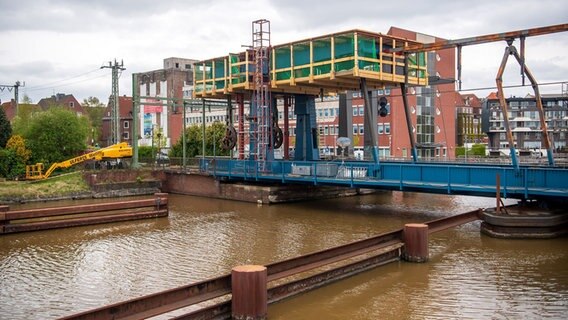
[[14, 87], [115, 121]]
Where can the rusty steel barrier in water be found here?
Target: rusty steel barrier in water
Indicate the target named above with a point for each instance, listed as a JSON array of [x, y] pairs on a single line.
[[321, 267], [71, 216]]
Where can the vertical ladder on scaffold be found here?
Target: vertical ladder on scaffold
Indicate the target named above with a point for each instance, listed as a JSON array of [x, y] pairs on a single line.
[[261, 95]]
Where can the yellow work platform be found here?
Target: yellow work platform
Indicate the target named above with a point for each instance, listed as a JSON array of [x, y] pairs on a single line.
[[327, 64]]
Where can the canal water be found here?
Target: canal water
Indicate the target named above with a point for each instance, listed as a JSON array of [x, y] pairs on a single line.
[[49, 274]]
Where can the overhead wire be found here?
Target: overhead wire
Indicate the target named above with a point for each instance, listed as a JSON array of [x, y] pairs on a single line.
[[38, 88], [62, 80]]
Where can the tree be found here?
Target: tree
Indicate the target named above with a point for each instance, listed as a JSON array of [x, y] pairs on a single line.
[[26, 99], [18, 144], [92, 102], [194, 141], [214, 136], [95, 111], [14, 158], [5, 128], [8, 161], [56, 134]]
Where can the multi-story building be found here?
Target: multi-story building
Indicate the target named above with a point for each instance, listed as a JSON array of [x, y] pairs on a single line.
[[468, 120], [173, 81], [524, 121], [67, 101], [125, 120], [432, 107]]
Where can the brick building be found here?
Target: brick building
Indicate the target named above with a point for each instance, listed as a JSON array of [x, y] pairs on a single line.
[[125, 120], [67, 101], [468, 120], [170, 82]]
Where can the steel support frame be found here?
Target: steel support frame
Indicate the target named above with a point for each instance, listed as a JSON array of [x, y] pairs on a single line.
[[408, 122], [511, 50], [370, 121]]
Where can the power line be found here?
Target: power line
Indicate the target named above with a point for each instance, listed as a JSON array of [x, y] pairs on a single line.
[[64, 84], [62, 80]]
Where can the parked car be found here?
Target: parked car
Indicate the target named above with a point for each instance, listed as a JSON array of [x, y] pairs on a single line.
[[162, 158]]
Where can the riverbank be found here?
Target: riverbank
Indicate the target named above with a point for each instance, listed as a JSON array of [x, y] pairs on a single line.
[[81, 185]]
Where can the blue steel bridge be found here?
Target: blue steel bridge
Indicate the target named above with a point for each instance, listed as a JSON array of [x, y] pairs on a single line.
[[362, 61], [525, 182]]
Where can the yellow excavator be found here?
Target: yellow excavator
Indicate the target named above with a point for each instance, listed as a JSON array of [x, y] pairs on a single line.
[[110, 155]]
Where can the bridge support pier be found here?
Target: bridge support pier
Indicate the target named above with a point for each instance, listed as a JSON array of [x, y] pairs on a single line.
[[249, 291], [524, 221], [415, 236]]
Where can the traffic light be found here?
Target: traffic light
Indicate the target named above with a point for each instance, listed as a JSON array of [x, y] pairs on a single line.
[[383, 111]]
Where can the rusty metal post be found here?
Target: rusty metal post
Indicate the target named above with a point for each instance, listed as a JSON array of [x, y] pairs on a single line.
[[498, 193], [503, 103], [539, 107], [159, 196], [415, 237], [249, 290], [3, 210]]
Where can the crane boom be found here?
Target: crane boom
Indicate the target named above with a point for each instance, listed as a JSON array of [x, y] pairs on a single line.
[[116, 151]]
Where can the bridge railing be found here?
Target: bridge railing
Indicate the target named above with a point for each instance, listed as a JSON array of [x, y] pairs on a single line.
[[452, 178]]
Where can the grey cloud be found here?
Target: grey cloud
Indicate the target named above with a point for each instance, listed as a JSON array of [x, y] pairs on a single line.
[[95, 15]]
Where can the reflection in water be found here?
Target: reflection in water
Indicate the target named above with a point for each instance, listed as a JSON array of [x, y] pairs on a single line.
[[48, 274]]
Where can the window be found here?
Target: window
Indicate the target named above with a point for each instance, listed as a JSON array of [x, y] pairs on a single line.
[[361, 111], [326, 130], [72, 104], [177, 65], [387, 128], [126, 125], [188, 66], [354, 110], [355, 131], [361, 129], [125, 135], [381, 128]]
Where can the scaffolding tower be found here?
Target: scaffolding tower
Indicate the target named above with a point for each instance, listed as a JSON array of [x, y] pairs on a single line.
[[262, 136]]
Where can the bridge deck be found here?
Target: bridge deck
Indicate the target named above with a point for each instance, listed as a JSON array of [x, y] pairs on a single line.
[[528, 182]]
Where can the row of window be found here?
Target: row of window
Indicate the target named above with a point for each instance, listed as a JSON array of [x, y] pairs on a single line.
[[532, 135], [527, 104], [208, 119], [531, 114]]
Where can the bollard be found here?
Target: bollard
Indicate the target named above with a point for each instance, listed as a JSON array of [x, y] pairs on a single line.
[[415, 237], [249, 290]]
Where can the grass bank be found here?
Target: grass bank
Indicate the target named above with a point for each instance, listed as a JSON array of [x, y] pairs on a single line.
[[55, 187]]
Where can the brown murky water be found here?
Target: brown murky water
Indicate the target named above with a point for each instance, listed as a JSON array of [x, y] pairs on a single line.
[[49, 274]]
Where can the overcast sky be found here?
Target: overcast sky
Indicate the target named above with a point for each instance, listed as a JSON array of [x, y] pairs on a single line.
[[59, 45]]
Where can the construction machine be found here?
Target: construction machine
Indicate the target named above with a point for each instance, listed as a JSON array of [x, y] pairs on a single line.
[[109, 156]]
